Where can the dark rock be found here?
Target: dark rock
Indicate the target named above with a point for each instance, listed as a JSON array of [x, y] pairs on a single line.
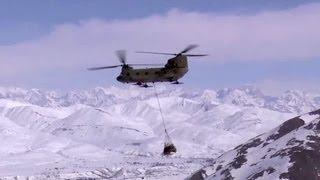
[[314, 142], [218, 167], [309, 126], [238, 161], [318, 126], [287, 127], [306, 165], [242, 151], [199, 175], [260, 174], [316, 112], [294, 141], [227, 174]]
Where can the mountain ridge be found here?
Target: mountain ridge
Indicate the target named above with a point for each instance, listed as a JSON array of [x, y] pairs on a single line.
[[289, 151]]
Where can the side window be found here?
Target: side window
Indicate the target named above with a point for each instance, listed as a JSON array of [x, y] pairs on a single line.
[[137, 73]]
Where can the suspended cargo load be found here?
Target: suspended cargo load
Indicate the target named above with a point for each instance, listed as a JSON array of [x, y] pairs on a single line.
[[169, 147]]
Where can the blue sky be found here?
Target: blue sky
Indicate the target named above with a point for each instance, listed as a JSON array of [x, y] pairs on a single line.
[[278, 55]]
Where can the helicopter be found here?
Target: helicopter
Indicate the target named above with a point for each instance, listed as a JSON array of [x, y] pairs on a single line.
[[172, 71]]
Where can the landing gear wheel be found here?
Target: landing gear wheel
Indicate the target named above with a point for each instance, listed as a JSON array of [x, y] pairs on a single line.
[[145, 86], [177, 82]]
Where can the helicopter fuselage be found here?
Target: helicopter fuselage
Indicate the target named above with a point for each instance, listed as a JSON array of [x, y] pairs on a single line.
[[175, 69]]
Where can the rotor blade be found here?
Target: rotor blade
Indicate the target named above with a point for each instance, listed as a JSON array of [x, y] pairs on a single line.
[[103, 67], [122, 56], [146, 64], [188, 48], [196, 55], [146, 52]]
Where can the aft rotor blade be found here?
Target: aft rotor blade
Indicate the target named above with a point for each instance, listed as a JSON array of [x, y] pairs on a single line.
[[196, 55], [188, 48], [103, 67], [122, 55], [146, 64], [147, 52]]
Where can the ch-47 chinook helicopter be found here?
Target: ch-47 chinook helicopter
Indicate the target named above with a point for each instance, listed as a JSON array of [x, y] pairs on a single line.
[[172, 71]]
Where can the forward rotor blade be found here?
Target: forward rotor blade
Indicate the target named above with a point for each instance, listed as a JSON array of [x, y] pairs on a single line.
[[104, 67], [146, 64], [196, 55], [188, 48], [122, 55], [146, 52]]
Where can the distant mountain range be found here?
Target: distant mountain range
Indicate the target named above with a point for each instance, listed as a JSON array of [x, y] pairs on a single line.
[[290, 101]]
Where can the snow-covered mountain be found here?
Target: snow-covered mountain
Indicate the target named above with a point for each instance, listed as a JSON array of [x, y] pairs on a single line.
[[72, 134], [289, 151], [290, 101]]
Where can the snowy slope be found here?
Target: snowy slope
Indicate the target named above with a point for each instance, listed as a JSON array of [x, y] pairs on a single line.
[[118, 132], [290, 151]]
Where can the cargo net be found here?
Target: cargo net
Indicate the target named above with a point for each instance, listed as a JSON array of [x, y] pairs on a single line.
[[169, 147]]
